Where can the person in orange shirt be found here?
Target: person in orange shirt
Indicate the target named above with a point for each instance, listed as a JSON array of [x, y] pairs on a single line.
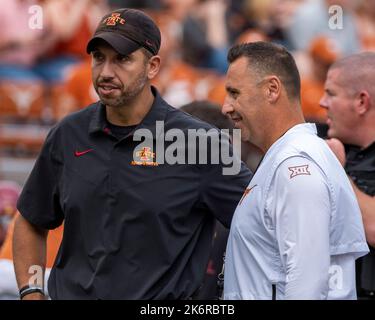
[[322, 54], [178, 81], [76, 92], [8, 283], [365, 21]]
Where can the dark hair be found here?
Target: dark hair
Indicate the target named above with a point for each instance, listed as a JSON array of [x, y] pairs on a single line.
[[148, 55], [267, 58], [208, 112]]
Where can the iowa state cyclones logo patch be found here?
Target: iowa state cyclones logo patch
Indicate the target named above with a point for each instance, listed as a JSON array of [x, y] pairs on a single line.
[[145, 157], [114, 19]]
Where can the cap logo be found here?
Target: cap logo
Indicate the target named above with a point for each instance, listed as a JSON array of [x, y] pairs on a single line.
[[114, 19]]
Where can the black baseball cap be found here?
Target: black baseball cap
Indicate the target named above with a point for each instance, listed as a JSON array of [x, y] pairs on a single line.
[[126, 30]]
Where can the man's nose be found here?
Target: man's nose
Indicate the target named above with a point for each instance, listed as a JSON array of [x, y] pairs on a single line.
[[107, 71], [323, 102], [227, 107]]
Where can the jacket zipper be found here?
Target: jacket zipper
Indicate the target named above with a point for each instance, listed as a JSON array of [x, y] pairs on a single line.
[[274, 292]]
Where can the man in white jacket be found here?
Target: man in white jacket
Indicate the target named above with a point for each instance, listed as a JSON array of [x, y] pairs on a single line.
[[297, 230]]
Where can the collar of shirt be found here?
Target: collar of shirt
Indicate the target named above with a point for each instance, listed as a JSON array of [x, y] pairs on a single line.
[[297, 129], [360, 166], [355, 155], [157, 112], [355, 151]]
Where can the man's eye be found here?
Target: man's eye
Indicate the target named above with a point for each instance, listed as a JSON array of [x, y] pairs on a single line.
[[234, 94], [122, 58], [97, 56]]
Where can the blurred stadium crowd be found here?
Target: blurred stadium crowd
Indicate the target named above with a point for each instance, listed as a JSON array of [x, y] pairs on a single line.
[[45, 73]]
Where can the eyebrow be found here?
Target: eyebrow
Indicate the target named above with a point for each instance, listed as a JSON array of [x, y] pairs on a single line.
[[95, 50], [124, 55], [231, 90]]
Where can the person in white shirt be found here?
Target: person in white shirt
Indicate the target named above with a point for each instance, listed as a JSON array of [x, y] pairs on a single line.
[[297, 230]]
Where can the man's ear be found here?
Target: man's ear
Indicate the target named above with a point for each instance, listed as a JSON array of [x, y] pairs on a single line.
[[362, 102], [153, 66], [273, 89]]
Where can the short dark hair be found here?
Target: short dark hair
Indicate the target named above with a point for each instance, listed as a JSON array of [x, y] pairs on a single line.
[[148, 55], [209, 112], [268, 58]]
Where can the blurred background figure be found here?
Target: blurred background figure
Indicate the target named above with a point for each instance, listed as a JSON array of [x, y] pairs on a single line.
[[365, 22], [32, 59], [8, 283], [322, 53], [312, 17], [20, 45], [35, 64], [205, 35], [9, 193]]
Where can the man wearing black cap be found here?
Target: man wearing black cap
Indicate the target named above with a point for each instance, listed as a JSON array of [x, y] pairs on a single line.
[[133, 229]]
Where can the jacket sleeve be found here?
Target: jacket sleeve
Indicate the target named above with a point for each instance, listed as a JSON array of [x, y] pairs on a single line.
[[300, 207]]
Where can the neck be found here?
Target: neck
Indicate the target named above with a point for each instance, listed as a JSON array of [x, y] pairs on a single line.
[[133, 112], [366, 137], [362, 132], [279, 125]]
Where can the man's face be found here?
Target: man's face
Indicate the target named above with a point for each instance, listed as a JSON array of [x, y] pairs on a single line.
[[117, 78], [243, 102], [339, 102]]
